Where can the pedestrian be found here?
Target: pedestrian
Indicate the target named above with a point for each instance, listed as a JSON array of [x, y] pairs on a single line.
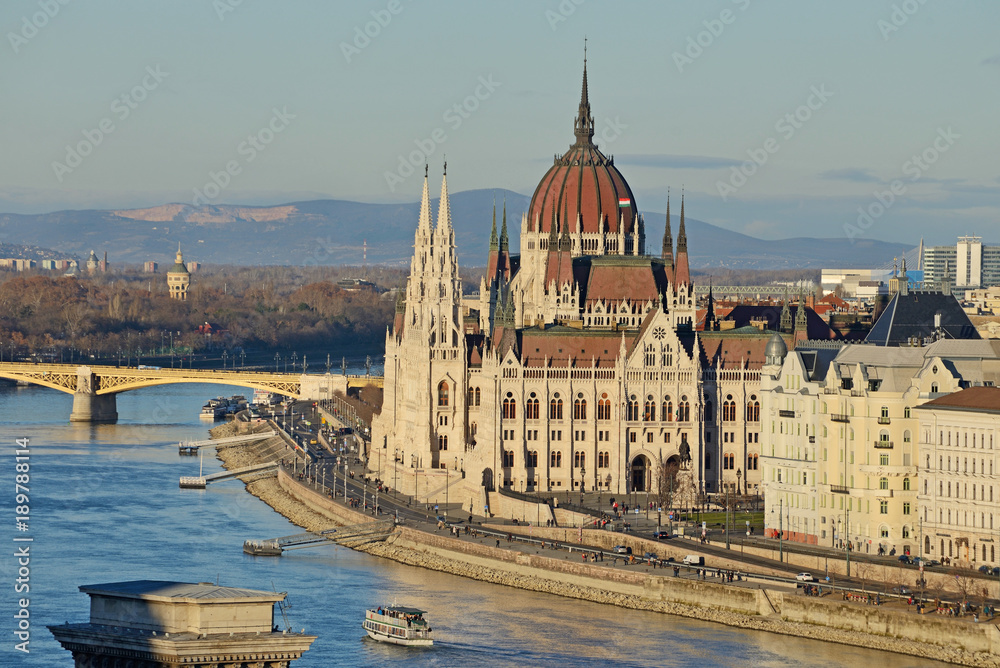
[[498, 542]]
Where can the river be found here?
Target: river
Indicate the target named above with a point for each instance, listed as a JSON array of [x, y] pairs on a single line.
[[106, 507]]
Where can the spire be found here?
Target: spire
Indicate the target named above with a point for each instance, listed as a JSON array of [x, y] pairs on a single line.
[[494, 244], [504, 241], [425, 208], [668, 240], [785, 323], [179, 258], [800, 313], [682, 240], [583, 126], [444, 208], [710, 321]]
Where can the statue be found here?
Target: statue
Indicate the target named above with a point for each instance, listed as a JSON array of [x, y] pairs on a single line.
[[685, 451]]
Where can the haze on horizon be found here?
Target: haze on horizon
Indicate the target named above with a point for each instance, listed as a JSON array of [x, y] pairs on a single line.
[[829, 103]]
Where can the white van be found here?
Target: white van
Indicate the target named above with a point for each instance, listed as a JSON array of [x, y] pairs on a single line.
[[694, 560]]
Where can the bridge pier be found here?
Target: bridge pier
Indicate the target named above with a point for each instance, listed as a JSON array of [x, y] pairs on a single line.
[[91, 407]]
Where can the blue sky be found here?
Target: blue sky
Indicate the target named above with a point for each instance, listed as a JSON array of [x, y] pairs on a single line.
[[780, 118]]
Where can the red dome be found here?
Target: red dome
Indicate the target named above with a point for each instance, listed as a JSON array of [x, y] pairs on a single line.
[[585, 183]]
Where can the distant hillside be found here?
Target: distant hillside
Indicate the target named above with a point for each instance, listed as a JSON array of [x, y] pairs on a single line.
[[27, 252], [332, 232]]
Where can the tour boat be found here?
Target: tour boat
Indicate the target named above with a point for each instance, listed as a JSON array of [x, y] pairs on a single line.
[[398, 625]]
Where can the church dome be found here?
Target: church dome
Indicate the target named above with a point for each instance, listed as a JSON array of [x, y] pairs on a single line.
[[776, 349], [583, 184]]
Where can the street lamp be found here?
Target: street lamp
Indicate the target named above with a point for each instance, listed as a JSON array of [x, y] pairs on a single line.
[[395, 465], [739, 474], [276, 358], [225, 356]]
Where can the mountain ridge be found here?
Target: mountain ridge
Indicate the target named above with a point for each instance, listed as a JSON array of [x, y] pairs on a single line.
[[335, 231]]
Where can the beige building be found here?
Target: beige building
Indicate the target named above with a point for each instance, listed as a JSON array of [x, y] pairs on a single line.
[[960, 487], [583, 364], [165, 624], [178, 278], [840, 451]]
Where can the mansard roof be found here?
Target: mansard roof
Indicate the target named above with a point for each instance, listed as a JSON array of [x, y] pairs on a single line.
[[616, 278], [973, 399], [566, 346], [913, 315], [731, 351]]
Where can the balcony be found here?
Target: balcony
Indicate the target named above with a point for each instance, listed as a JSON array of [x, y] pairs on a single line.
[[884, 420], [883, 445], [839, 417], [840, 489], [786, 413]]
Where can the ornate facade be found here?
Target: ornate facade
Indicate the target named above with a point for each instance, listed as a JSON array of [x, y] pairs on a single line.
[[582, 363]]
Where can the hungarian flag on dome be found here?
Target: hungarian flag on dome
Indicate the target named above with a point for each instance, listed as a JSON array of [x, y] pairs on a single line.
[[624, 202]]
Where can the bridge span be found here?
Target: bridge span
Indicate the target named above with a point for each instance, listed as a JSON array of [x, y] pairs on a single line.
[[94, 387]]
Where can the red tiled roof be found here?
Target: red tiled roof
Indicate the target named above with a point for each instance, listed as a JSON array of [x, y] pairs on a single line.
[[566, 348], [616, 283], [730, 352], [583, 183], [979, 399]]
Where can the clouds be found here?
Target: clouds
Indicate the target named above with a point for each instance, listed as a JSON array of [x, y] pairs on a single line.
[[671, 161], [995, 60]]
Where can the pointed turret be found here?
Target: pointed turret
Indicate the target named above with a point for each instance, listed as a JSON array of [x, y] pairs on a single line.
[[682, 272], [444, 207], [504, 241], [494, 243], [424, 223], [800, 314], [668, 240], [711, 324], [785, 323], [583, 126]]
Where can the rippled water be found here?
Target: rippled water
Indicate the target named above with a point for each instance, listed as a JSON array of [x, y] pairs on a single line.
[[106, 507]]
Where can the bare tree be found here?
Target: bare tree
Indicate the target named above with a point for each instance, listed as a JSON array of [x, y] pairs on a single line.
[[666, 481]]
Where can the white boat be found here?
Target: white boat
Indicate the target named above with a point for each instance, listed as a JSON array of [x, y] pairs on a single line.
[[398, 625]]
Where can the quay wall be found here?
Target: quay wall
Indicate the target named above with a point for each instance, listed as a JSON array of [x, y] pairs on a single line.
[[771, 609]]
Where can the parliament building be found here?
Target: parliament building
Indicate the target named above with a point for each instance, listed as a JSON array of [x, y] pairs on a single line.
[[583, 364]]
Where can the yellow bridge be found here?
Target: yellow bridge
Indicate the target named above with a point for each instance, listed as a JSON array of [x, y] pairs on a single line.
[[94, 387]]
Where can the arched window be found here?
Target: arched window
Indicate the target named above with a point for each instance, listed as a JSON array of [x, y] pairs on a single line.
[[555, 407], [906, 484], [508, 458], [649, 410], [709, 410], [632, 410], [603, 460], [509, 407], [580, 408], [728, 461], [667, 409], [443, 393], [555, 459], [479, 397], [531, 407], [728, 410], [472, 396], [442, 442], [684, 410], [579, 459], [604, 407], [532, 459], [753, 409]]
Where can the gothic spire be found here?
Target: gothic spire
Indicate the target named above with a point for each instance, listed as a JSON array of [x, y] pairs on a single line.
[[425, 208], [444, 207], [682, 239], [668, 240], [494, 244], [584, 123], [504, 241]]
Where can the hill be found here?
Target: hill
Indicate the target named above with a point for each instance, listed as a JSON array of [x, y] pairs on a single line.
[[333, 232]]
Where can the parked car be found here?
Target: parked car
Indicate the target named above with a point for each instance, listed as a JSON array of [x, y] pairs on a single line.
[[621, 549], [905, 558], [650, 556], [694, 560], [805, 577], [902, 590], [662, 535]]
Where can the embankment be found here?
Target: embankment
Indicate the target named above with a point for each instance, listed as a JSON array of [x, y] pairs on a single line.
[[773, 610]]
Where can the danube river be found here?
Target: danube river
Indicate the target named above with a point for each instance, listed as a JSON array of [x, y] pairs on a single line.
[[106, 507]]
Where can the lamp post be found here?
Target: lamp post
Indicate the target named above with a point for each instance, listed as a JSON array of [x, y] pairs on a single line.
[[847, 544], [276, 358], [225, 356], [727, 517], [781, 530], [739, 474], [395, 459]]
